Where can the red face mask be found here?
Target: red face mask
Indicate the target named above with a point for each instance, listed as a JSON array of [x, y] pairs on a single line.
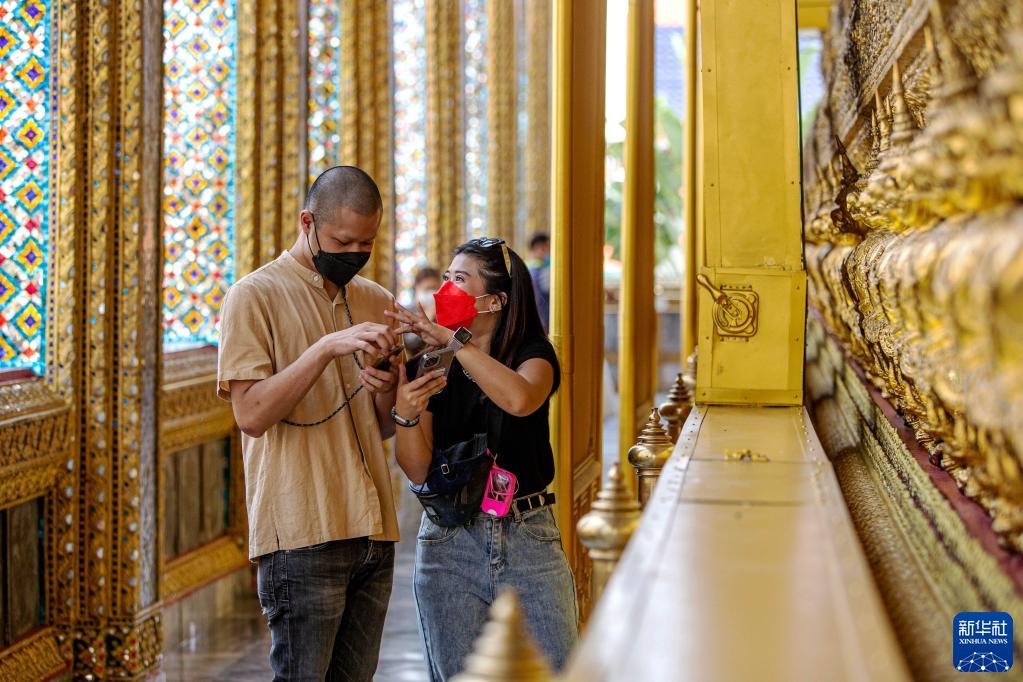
[[455, 308]]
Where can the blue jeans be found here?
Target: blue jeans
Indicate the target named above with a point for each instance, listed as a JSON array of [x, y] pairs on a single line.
[[325, 605], [460, 571]]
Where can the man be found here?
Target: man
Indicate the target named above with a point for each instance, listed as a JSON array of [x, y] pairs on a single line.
[[298, 338], [540, 271]]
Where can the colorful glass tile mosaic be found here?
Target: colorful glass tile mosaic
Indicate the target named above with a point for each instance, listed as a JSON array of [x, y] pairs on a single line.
[[409, 54], [476, 133], [324, 86], [27, 102], [199, 61]]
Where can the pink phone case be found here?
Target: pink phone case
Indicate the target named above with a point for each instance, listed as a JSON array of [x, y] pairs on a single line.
[[500, 492]]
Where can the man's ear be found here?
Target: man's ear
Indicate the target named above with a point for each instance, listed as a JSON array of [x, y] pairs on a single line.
[[305, 219]]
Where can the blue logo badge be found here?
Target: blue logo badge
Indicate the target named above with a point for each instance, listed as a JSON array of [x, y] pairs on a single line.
[[982, 642]]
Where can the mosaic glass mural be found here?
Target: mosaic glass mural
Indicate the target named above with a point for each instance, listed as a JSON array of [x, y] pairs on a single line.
[[27, 102], [199, 167], [324, 86], [409, 54], [475, 75]]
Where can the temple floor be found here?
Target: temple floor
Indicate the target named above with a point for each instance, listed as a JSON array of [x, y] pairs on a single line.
[[236, 645]]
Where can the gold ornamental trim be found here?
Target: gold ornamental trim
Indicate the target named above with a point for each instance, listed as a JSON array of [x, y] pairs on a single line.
[[41, 656], [203, 566], [27, 482]]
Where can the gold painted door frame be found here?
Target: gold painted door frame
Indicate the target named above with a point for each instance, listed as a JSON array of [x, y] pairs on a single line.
[[577, 260]]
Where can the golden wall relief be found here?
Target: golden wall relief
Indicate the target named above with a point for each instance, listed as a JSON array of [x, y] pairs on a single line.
[[914, 227]]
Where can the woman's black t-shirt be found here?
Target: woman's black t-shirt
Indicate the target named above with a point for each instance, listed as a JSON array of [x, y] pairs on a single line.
[[522, 444]]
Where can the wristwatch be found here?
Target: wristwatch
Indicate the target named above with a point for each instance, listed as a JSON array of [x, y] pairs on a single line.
[[458, 341], [401, 421]]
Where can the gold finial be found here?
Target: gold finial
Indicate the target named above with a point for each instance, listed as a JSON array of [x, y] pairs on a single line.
[[902, 120], [884, 129], [649, 454], [505, 651], [677, 407], [954, 71], [607, 527], [689, 376]]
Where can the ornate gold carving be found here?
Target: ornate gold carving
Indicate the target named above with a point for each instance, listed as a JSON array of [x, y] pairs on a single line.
[[909, 530], [27, 482], [444, 139], [916, 253], [126, 650], [40, 657], [202, 566], [269, 130]]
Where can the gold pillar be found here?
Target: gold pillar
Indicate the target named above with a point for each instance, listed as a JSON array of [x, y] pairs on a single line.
[[691, 179], [269, 128], [751, 315], [293, 121], [606, 529], [445, 144], [577, 238], [502, 118], [637, 339], [538, 144], [366, 114], [247, 144]]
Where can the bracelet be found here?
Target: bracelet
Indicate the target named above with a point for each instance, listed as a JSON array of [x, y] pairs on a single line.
[[401, 421]]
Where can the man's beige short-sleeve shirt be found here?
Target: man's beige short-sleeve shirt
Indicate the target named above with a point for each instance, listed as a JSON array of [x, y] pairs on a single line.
[[305, 486]]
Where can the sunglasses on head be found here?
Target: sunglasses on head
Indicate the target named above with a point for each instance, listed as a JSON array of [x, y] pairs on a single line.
[[489, 242]]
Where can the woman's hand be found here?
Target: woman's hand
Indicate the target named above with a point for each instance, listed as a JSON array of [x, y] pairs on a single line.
[[431, 332], [413, 396]]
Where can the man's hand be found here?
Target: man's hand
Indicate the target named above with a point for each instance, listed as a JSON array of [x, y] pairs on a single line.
[[378, 381], [373, 339]]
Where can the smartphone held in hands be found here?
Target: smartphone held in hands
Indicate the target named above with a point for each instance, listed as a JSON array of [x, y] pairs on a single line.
[[431, 361]]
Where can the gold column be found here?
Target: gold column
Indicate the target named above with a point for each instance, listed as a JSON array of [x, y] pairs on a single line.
[[117, 634], [501, 118], [247, 144], [751, 316], [538, 112], [269, 128], [691, 179], [577, 258], [637, 340], [366, 114], [445, 142], [293, 124]]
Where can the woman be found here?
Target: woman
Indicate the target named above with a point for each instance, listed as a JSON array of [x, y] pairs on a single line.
[[500, 383]]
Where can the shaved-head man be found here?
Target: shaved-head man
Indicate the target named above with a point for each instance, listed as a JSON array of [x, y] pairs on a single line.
[[299, 338]]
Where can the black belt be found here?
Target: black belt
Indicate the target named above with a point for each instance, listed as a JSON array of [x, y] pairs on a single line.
[[530, 502]]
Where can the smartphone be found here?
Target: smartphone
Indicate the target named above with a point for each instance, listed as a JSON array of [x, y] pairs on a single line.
[[384, 363], [439, 359]]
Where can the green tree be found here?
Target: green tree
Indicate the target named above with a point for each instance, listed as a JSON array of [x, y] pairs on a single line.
[[668, 185]]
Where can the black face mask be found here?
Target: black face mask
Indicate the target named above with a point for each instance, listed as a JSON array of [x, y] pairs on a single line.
[[341, 267]]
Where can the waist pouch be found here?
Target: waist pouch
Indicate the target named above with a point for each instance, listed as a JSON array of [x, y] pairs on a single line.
[[452, 493]]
